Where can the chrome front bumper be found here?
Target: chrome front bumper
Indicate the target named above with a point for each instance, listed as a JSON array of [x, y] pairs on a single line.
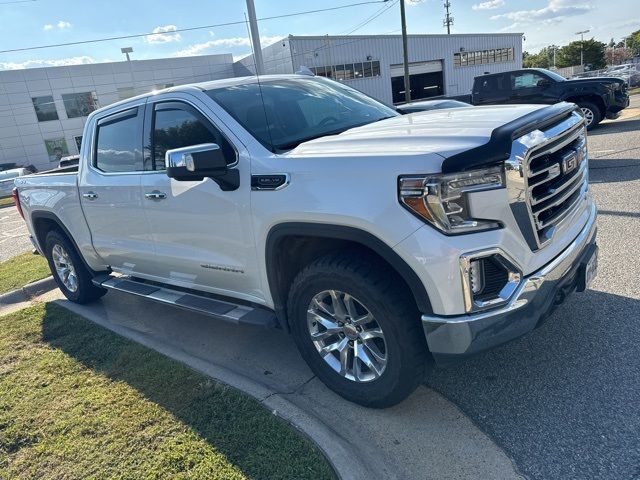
[[453, 338]]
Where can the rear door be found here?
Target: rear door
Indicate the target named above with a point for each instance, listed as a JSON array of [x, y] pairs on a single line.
[[491, 90], [110, 195], [202, 235]]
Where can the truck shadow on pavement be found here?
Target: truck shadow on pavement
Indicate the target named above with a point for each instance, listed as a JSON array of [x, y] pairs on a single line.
[[616, 126], [563, 400]]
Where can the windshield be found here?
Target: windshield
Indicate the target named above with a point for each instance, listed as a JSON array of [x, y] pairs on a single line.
[[554, 75], [297, 110]]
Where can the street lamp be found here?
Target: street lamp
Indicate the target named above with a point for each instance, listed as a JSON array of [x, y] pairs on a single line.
[[582, 46], [127, 51]]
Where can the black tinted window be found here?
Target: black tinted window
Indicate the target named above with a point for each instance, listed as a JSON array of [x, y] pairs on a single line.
[[179, 125], [119, 143]]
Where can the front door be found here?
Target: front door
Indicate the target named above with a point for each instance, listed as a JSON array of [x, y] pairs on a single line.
[[526, 87], [110, 196], [202, 236]]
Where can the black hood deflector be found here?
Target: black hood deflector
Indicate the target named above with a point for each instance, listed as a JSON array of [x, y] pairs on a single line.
[[498, 148]]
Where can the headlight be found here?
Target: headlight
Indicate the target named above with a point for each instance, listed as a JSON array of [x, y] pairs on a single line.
[[442, 200]]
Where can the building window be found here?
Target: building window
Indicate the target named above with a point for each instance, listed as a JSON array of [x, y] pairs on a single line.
[[80, 104], [56, 149], [349, 71], [499, 55], [45, 108], [78, 141]]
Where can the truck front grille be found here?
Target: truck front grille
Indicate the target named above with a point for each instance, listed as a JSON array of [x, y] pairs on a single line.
[[547, 175], [557, 180]]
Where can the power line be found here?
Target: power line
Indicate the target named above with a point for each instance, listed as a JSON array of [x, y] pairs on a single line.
[[372, 17], [189, 29], [18, 1]]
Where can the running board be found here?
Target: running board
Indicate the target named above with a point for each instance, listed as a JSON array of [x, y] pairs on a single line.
[[230, 312]]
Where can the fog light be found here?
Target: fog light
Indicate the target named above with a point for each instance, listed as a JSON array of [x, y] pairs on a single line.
[[476, 276], [489, 279]]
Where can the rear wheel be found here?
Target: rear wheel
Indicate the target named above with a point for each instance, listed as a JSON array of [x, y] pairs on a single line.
[[591, 114], [69, 272], [357, 329]]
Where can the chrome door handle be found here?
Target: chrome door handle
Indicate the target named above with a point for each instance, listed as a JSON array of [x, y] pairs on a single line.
[[90, 195], [155, 195]]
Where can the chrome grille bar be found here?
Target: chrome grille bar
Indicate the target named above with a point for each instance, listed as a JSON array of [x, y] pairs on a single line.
[[553, 177]]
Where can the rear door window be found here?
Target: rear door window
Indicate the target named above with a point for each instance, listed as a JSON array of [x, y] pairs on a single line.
[[119, 142]]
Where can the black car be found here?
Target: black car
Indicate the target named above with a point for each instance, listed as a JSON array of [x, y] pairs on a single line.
[[598, 97]]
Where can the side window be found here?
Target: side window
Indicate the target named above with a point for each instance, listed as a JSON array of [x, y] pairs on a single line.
[[524, 80], [177, 125], [119, 143]]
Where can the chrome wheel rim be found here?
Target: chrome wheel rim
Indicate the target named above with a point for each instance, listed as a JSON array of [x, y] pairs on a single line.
[[347, 336], [588, 115], [64, 268]]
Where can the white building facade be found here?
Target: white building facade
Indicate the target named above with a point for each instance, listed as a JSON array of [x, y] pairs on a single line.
[[43, 110], [438, 64]]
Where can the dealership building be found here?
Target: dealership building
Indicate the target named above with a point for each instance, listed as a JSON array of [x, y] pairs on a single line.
[[43, 110], [438, 64]]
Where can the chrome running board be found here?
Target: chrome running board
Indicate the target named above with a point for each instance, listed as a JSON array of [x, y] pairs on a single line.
[[192, 301]]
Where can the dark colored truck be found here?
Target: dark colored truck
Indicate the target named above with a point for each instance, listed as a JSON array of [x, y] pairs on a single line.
[[597, 97]]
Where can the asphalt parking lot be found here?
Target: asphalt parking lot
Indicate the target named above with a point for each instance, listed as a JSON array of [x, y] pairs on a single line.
[[13, 234], [560, 403], [564, 401]]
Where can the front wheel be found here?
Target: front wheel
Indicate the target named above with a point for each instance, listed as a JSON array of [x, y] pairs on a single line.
[[357, 329], [69, 272], [591, 114]]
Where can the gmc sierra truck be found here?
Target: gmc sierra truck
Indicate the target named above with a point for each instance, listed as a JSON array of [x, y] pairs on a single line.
[[380, 241], [597, 97]]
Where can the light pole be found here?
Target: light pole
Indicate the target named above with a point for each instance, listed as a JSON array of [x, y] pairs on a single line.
[[405, 54], [582, 46]]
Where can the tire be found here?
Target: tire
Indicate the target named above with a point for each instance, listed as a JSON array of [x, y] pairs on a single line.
[[60, 252], [591, 111], [370, 288]]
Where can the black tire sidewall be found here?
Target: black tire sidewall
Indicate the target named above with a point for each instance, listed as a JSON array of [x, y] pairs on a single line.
[[372, 393], [86, 290], [597, 117]]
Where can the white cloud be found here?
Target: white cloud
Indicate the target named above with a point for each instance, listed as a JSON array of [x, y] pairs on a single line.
[[48, 26], [554, 11], [62, 25], [82, 60], [490, 5], [229, 42], [160, 35]]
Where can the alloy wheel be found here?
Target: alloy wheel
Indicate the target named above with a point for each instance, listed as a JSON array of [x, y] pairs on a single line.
[[64, 268], [347, 336], [588, 115]]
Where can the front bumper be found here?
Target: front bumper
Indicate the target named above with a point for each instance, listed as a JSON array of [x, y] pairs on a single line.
[[453, 338], [617, 104]]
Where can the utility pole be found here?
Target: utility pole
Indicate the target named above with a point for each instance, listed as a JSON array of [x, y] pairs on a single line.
[[448, 19], [405, 54], [255, 38], [582, 46]]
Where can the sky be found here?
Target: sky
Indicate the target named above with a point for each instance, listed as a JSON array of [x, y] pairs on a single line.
[[28, 23]]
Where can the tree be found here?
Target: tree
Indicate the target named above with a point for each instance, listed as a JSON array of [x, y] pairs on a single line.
[[569, 55], [542, 59], [633, 42], [615, 56]]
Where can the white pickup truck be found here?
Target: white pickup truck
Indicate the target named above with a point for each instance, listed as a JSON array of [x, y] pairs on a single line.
[[380, 241]]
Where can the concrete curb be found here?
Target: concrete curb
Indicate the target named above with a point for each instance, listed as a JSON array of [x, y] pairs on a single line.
[[27, 292], [347, 461]]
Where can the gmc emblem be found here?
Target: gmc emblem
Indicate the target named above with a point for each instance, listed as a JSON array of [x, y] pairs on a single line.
[[569, 162]]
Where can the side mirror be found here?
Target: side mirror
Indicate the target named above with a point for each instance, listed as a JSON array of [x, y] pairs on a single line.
[[544, 83], [201, 161]]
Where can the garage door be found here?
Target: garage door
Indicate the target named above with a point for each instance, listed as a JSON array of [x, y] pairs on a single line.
[[417, 67]]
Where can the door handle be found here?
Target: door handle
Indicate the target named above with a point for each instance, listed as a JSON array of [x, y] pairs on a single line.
[[90, 195], [155, 195]]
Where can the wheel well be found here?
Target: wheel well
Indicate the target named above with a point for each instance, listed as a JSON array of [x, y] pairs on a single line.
[[595, 99], [41, 227], [288, 254]]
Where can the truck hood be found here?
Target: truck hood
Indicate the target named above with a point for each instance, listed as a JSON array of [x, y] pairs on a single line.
[[595, 80], [444, 132]]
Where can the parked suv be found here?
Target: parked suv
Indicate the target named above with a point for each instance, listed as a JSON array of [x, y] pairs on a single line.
[[597, 97], [378, 240]]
